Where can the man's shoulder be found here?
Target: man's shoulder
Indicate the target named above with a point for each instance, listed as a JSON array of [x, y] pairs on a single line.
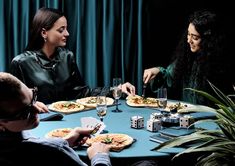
[[37, 151]]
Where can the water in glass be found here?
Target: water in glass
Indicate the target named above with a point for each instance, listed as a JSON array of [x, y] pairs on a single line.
[[101, 107], [162, 98], [117, 92]]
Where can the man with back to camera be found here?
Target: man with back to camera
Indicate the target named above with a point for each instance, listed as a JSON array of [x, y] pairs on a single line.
[[19, 111]]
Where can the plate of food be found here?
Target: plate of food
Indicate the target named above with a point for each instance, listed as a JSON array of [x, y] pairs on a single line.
[[179, 107], [91, 102], [138, 101], [117, 141], [58, 133], [66, 107]]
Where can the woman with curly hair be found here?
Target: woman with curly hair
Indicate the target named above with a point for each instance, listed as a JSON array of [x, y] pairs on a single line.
[[200, 57]]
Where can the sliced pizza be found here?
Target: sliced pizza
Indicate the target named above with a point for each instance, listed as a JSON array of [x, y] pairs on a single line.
[[138, 101], [58, 133], [91, 102], [66, 107], [116, 141], [179, 107]]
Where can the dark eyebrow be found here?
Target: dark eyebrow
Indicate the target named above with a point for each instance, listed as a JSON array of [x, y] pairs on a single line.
[[194, 35], [63, 26]]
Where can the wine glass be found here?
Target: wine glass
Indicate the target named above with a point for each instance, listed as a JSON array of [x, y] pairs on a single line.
[[101, 108], [162, 98], [117, 92]]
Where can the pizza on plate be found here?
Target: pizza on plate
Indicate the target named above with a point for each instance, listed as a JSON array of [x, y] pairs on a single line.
[[178, 107], [138, 101], [59, 133], [66, 107], [117, 141], [91, 102]]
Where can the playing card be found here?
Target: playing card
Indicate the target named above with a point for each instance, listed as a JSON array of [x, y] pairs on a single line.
[[92, 123]]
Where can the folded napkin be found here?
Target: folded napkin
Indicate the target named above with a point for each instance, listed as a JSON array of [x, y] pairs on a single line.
[[50, 116]]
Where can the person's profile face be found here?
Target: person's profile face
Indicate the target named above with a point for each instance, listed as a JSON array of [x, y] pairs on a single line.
[[193, 38], [58, 34], [22, 114]]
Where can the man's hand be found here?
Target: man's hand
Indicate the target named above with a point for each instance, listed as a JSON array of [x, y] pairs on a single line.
[[78, 136], [97, 147], [41, 107]]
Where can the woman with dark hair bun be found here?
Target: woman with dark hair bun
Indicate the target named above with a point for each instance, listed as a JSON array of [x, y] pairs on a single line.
[[200, 57]]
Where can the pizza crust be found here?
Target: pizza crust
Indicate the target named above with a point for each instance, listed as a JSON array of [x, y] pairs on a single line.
[[138, 101], [117, 141], [58, 133], [66, 107], [180, 107], [90, 102]]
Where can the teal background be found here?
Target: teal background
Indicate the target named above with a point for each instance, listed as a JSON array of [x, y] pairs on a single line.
[[110, 38]]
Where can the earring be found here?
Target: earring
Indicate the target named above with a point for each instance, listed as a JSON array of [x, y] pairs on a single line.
[[45, 39]]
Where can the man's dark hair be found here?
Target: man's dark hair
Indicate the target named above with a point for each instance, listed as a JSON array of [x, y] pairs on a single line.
[[9, 89]]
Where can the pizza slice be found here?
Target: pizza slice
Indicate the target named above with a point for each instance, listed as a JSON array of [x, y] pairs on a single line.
[[66, 107], [91, 102], [58, 133], [138, 101], [117, 142]]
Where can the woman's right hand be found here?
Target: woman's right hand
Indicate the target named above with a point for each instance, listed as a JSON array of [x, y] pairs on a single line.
[[150, 74]]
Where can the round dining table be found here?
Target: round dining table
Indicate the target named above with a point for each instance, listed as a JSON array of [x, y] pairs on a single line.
[[116, 122]]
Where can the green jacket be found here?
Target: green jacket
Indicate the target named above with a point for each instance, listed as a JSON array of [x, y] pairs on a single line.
[[178, 92]]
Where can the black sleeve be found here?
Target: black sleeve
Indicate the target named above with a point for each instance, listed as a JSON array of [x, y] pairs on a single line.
[[16, 70], [79, 89]]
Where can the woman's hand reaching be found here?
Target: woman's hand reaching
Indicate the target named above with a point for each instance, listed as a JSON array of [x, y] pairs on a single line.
[[150, 74], [128, 88]]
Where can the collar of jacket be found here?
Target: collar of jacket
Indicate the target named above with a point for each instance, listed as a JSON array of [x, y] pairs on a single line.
[[44, 61]]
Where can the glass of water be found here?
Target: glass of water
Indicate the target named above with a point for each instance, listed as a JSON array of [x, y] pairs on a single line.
[[117, 92], [101, 107], [162, 98]]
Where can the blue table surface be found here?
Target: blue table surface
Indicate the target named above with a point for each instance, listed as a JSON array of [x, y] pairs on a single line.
[[117, 123]]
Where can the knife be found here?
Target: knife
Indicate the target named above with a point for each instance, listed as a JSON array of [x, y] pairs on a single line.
[[143, 90]]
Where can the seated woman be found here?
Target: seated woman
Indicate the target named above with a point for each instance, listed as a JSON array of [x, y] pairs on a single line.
[[47, 65], [199, 58]]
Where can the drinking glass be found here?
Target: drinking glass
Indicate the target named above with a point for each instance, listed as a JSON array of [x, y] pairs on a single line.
[[117, 92], [101, 109], [162, 98]]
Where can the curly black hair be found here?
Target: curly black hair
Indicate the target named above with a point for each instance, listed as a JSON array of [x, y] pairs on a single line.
[[210, 61]]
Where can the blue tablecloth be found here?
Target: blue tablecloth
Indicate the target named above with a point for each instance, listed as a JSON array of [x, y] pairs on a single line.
[[117, 123]]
